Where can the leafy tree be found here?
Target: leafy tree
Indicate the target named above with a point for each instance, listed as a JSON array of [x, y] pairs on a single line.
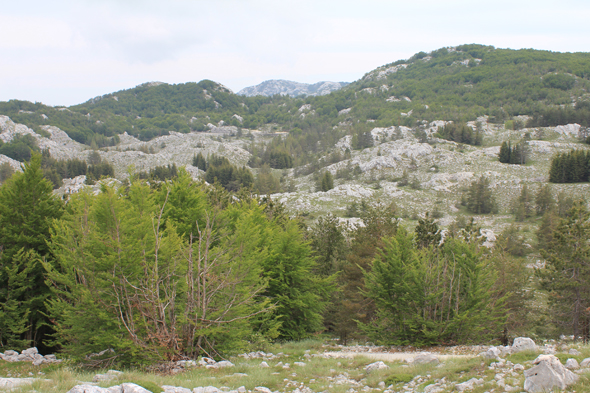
[[6, 170], [20, 147], [266, 183], [431, 296], [27, 207], [127, 281], [299, 295]]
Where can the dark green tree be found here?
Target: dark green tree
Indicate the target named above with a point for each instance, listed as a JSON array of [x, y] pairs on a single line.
[[544, 200], [427, 232], [479, 198], [27, 207], [566, 276]]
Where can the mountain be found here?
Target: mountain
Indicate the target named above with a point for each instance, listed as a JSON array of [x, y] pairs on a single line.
[[382, 138], [289, 88]]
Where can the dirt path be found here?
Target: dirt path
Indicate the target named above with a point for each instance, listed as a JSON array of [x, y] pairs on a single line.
[[391, 357]]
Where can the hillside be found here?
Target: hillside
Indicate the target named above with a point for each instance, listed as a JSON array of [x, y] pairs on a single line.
[[395, 111], [293, 89]]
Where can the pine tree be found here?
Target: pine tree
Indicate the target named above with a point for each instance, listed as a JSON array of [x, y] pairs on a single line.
[[567, 272], [504, 155], [479, 198], [27, 207], [544, 200]]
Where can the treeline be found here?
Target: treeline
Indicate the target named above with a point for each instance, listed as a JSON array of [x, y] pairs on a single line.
[[219, 170], [229, 270], [181, 269], [460, 133], [57, 170], [516, 155], [572, 167]]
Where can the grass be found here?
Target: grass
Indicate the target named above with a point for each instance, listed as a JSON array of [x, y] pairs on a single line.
[[337, 375]]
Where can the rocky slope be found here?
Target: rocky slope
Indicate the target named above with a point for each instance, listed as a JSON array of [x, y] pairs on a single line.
[[278, 86], [440, 171]]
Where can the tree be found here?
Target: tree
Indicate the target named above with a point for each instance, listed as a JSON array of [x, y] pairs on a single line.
[[504, 155], [566, 275], [427, 232], [127, 281], [544, 200], [326, 182], [523, 207], [27, 207], [300, 296], [479, 198], [431, 296]]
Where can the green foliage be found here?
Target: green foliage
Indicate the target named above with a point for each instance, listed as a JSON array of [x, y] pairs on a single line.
[[479, 198], [431, 296], [572, 167], [198, 292], [200, 162], [567, 270], [299, 295], [27, 207], [523, 206], [20, 147], [326, 182], [427, 232], [544, 200], [6, 171], [513, 155], [460, 133], [266, 183], [229, 176], [160, 173]]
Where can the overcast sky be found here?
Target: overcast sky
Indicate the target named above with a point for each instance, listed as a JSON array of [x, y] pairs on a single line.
[[66, 52]]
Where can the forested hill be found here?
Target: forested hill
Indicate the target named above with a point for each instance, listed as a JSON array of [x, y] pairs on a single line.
[[459, 83]]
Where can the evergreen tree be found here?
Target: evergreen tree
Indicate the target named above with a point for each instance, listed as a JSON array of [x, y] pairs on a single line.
[[27, 207], [479, 198], [326, 182], [504, 155], [427, 233], [523, 206], [544, 200], [567, 272]]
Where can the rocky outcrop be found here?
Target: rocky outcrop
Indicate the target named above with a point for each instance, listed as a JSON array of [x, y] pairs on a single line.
[[28, 355], [547, 375], [289, 88]]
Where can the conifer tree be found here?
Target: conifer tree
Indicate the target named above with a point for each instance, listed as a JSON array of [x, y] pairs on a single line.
[[27, 207], [567, 272]]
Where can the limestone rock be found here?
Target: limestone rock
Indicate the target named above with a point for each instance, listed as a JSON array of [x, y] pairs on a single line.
[[585, 363], [572, 364], [492, 353], [548, 374], [175, 389], [425, 358], [574, 352], [224, 364], [523, 344], [14, 382], [468, 385], [376, 366], [264, 364], [262, 389], [206, 389]]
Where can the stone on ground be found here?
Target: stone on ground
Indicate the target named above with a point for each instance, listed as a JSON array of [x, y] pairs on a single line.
[[376, 366], [523, 344], [547, 375]]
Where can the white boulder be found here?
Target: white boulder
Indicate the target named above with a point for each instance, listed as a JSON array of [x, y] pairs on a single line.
[[523, 344], [547, 375]]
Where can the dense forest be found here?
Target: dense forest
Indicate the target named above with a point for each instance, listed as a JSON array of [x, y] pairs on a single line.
[[179, 268]]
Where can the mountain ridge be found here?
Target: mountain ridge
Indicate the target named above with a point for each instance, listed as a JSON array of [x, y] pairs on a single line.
[[271, 87]]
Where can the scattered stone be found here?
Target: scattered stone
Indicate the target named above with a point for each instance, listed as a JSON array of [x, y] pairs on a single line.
[[425, 358], [492, 353], [262, 389], [574, 352], [15, 382], [468, 385], [300, 364], [523, 344], [263, 364], [175, 389], [548, 374], [206, 389], [224, 364], [572, 364], [585, 363], [376, 366]]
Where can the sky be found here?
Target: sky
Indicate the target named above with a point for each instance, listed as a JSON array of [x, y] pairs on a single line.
[[64, 52]]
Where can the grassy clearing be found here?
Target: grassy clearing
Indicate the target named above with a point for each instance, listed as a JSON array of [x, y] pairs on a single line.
[[319, 374]]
